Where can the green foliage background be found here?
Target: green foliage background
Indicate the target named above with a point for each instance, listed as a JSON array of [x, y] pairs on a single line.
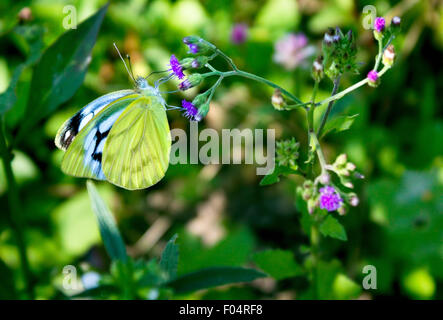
[[223, 217]]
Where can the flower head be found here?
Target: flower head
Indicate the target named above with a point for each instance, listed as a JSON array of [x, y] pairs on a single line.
[[292, 50], [330, 199], [190, 111], [373, 78], [192, 81], [176, 67], [193, 48], [396, 21], [239, 33], [379, 24]]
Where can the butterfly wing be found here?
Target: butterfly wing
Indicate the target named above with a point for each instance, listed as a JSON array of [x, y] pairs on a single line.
[[74, 125], [136, 153], [83, 157]]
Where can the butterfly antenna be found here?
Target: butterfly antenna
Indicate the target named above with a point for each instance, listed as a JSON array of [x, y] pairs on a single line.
[[155, 72], [127, 69], [130, 65]]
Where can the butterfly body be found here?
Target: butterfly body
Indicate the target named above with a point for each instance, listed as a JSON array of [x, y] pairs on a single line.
[[122, 137]]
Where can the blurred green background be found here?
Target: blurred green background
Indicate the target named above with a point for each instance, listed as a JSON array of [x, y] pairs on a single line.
[[222, 215]]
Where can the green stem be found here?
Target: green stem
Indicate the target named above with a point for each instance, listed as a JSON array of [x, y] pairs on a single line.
[[380, 53], [14, 214], [329, 108], [214, 87], [312, 108], [315, 243], [251, 76], [344, 92]]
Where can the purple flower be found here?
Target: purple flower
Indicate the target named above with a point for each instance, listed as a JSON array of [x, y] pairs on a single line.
[[190, 111], [379, 24], [330, 199], [193, 48], [239, 33], [185, 85], [176, 67], [292, 50], [373, 76]]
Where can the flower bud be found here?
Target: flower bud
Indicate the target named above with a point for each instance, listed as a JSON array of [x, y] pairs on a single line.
[[350, 166], [379, 27], [317, 69], [312, 203], [193, 80], [328, 37], [348, 184], [308, 184], [277, 100], [200, 99], [395, 22], [389, 56], [325, 178], [307, 194], [341, 159], [186, 63], [199, 62], [353, 200], [373, 78], [198, 45], [342, 210], [202, 111]]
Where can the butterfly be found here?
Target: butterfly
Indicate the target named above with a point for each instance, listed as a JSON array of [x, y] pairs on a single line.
[[122, 137]]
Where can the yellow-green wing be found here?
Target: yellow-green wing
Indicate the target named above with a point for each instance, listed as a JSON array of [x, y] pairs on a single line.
[[136, 153], [83, 158]]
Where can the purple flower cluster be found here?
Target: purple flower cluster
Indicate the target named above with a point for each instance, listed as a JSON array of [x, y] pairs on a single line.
[[373, 76], [379, 24], [190, 111], [176, 67], [330, 199]]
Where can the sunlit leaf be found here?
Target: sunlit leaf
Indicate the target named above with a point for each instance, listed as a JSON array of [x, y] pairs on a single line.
[[338, 124], [332, 228], [108, 229], [61, 69]]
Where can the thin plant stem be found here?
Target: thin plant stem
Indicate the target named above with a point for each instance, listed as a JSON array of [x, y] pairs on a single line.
[[329, 108], [351, 88], [380, 52], [14, 214], [236, 71], [312, 108]]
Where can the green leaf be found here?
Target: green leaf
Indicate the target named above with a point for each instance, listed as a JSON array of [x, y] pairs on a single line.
[[274, 176], [111, 236], [33, 36], [212, 277], [332, 228], [169, 259], [279, 264], [338, 124], [61, 69]]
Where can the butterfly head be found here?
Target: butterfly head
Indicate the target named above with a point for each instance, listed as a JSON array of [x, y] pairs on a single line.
[[142, 84]]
